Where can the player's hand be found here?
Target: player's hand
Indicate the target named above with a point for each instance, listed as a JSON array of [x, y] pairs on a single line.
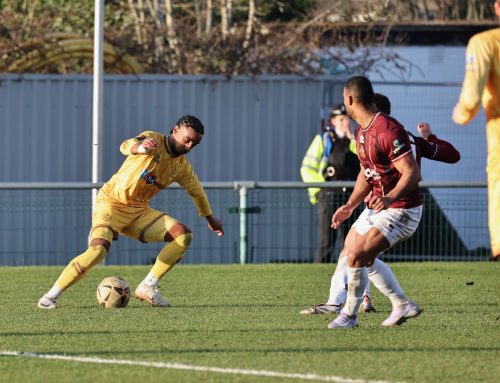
[[149, 144], [146, 146], [215, 225], [342, 213], [424, 129], [378, 203]]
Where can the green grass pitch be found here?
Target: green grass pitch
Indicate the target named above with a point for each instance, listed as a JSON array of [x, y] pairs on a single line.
[[246, 317]]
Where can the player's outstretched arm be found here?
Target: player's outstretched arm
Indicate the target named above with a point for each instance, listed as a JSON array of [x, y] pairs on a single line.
[[435, 148], [215, 225]]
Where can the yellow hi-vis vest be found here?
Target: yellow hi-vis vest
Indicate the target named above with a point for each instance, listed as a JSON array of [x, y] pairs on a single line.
[[314, 164], [311, 171]]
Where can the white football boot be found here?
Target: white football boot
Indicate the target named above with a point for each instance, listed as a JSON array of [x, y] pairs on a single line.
[[322, 308], [151, 295], [46, 303], [344, 321], [400, 315]]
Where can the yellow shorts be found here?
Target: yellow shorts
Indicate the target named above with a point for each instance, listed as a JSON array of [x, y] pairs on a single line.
[[142, 223]]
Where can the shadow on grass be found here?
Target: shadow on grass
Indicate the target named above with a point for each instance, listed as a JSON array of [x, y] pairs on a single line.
[[156, 331], [340, 349], [137, 305]]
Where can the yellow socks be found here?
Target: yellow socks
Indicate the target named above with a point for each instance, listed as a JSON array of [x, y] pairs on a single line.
[[77, 268], [171, 254], [167, 258]]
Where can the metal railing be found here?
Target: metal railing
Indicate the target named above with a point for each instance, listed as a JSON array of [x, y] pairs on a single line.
[[46, 223]]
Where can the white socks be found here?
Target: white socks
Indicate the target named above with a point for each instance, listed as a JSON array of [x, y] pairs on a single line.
[[367, 288], [151, 280], [54, 293], [338, 285], [357, 279], [382, 277]]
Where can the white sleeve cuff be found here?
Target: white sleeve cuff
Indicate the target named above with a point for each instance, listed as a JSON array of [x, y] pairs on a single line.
[[141, 149]]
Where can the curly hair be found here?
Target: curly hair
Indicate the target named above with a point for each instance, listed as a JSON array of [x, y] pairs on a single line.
[[192, 122]]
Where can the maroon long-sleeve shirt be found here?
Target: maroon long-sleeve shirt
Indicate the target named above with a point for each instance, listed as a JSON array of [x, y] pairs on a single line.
[[434, 149]]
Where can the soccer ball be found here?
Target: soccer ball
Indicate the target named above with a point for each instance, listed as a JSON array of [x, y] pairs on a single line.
[[113, 292]]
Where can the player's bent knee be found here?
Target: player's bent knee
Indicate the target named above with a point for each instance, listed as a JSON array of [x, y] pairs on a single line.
[[101, 242], [172, 253], [355, 259], [184, 240], [93, 256], [96, 255], [157, 232], [105, 233], [176, 231]]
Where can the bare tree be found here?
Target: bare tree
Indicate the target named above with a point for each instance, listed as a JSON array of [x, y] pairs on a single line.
[[229, 13], [198, 15], [166, 36], [250, 23], [225, 16], [208, 24], [173, 43], [472, 11], [154, 10], [139, 21]]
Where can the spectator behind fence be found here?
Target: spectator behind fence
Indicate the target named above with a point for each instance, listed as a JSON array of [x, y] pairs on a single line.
[[482, 82], [330, 157]]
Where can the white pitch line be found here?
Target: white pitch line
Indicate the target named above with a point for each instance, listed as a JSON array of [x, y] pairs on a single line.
[[189, 367]]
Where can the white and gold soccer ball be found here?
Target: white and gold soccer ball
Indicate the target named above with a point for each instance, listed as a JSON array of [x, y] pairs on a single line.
[[113, 292]]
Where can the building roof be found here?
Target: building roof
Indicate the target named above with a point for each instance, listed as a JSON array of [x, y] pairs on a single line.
[[449, 33]]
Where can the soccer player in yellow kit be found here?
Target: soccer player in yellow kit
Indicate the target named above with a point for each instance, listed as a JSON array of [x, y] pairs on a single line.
[[153, 162], [482, 82]]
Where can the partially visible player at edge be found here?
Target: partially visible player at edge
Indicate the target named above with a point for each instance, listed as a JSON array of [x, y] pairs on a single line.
[[426, 146], [393, 211], [482, 83], [153, 162]]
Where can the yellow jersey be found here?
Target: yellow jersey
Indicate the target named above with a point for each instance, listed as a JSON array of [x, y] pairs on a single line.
[[142, 176], [482, 77]]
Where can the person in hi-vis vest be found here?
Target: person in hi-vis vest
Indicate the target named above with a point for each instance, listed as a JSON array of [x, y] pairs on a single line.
[[330, 157]]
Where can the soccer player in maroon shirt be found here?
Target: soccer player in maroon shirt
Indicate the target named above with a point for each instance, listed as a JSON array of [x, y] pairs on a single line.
[[427, 145], [389, 177]]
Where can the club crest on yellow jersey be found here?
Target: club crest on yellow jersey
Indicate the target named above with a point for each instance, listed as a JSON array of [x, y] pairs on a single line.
[[148, 176]]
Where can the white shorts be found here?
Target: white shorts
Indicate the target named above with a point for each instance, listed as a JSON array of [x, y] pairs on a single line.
[[395, 224]]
